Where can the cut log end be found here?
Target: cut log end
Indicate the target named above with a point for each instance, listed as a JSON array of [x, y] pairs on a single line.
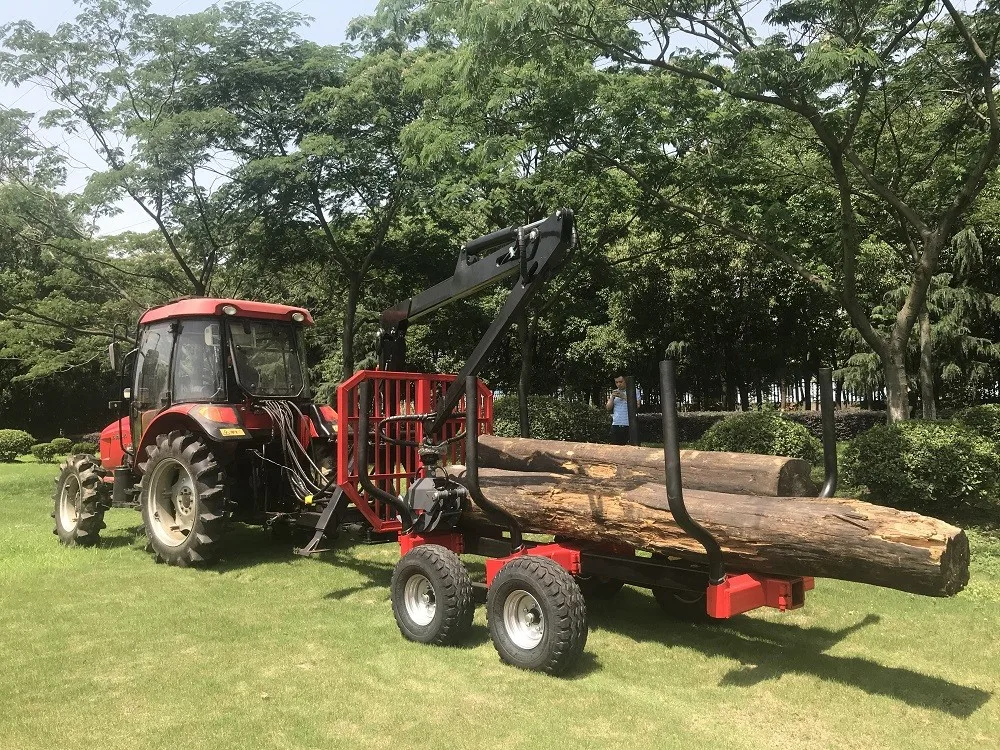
[[955, 564]]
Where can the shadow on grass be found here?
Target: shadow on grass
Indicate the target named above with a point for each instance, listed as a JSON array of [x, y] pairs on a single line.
[[770, 650], [131, 537], [766, 650]]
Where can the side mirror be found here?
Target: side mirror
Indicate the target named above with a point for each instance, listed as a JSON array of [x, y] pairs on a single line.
[[114, 356]]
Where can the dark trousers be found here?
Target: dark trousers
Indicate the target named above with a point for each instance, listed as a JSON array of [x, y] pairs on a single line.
[[619, 435]]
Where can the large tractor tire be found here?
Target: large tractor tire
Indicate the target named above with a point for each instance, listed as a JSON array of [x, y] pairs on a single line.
[[80, 500], [537, 615], [183, 500], [431, 596]]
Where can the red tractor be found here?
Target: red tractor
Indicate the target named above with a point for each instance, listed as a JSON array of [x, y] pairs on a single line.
[[219, 427]]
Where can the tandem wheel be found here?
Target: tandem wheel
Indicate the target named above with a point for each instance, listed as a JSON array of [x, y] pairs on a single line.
[[537, 615], [431, 596]]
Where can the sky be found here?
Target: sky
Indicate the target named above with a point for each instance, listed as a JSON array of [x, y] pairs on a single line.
[[330, 19]]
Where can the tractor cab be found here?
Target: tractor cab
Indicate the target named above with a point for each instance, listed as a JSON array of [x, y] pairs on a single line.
[[214, 351], [218, 368]]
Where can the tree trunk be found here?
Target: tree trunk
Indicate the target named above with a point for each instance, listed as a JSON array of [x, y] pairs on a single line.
[[717, 471], [526, 345], [831, 538], [926, 366], [896, 399], [350, 315]]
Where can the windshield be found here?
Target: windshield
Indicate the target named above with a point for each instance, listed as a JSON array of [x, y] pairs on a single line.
[[269, 358]]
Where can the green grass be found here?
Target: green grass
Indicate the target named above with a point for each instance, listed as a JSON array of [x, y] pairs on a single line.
[[102, 648]]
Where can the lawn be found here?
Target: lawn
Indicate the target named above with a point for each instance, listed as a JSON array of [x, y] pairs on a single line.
[[102, 648]]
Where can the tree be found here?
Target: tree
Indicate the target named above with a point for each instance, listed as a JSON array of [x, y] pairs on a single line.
[[888, 106], [118, 74]]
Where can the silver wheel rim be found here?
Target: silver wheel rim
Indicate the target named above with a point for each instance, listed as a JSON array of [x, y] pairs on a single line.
[[418, 598], [173, 502], [69, 503], [522, 619]]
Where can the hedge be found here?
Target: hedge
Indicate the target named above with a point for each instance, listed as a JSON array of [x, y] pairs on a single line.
[[85, 447], [923, 465], [44, 452], [693, 424], [984, 420], [552, 419], [14, 443], [62, 445], [767, 433]]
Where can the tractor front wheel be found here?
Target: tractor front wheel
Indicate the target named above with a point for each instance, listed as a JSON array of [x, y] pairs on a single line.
[[183, 499], [537, 615], [431, 596], [80, 500]]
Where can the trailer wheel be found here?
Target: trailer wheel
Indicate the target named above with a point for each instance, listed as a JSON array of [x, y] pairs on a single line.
[[599, 588], [183, 500], [690, 606], [431, 596], [537, 615], [79, 501]]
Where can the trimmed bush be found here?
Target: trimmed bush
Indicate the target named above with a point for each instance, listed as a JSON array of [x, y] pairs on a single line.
[[847, 423], [984, 420], [553, 419], [765, 432], [62, 445], [918, 465], [14, 443], [44, 452], [84, 447], [692, 425]]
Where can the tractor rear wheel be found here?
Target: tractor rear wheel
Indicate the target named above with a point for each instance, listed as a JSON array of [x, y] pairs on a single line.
[[80, 500], [537, 615], [690, 606], [183, 499], [431, 596]]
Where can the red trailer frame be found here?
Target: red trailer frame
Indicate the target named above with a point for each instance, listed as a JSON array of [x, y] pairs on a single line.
[[396, 394], [392, 468]]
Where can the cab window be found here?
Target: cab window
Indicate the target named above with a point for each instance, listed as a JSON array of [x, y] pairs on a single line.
[[198, 374], [152, 366]]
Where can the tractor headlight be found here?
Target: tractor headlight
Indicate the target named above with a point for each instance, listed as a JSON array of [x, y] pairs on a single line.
[[229, 309], [298, 317]]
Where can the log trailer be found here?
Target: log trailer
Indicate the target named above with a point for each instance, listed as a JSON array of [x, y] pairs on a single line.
[[217, 425]]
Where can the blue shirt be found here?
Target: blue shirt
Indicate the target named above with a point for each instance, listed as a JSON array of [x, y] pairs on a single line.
[[619, 414]]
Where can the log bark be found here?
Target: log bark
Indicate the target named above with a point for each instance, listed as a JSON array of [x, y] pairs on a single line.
[[832, 538], [716, 471]]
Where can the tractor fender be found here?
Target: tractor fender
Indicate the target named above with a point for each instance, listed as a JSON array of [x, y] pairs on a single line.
[[196, 418], [113, 438]]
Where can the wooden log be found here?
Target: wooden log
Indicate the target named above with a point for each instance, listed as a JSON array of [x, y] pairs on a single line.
[[716, 471], [833, 538]]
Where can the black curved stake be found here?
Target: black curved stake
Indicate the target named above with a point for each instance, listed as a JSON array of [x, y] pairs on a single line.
[[672, 461], [829, 431], [472, 467]]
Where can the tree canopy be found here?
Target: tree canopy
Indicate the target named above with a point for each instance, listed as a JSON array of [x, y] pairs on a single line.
[[761, 189]]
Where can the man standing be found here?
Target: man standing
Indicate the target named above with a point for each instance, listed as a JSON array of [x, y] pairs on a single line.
[[618, 406]]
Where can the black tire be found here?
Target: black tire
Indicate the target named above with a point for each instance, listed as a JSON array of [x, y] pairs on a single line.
[[431, 596], [183, 500], [599, 588], [79, 501], [690, 606], [537, 615]]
